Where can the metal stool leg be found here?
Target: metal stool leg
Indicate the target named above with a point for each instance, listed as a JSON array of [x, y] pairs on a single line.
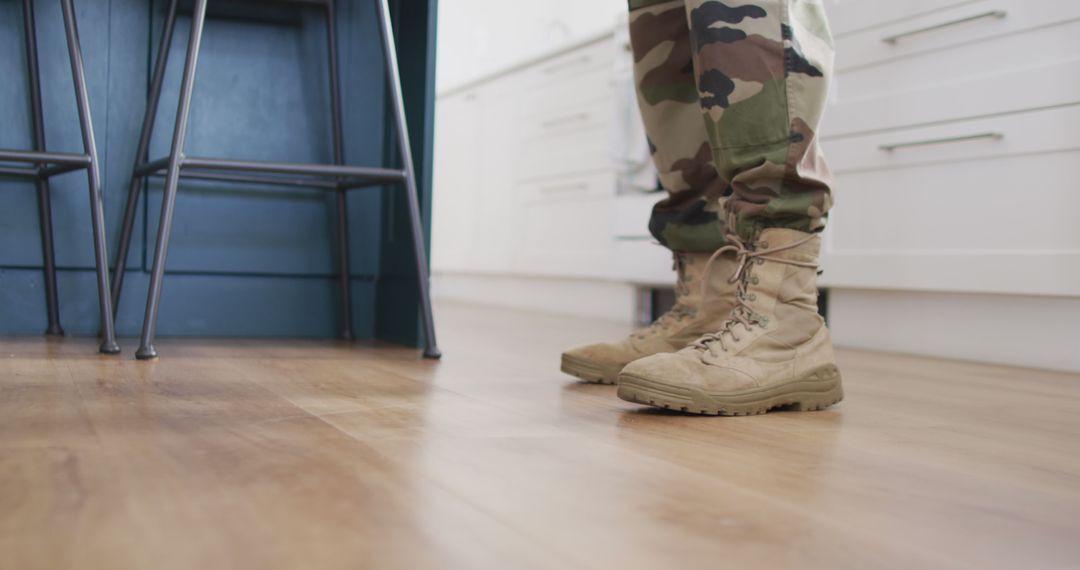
[[431, 349], [97, 209], [172, 178], [339, 158], [52, 303], [141, 154]]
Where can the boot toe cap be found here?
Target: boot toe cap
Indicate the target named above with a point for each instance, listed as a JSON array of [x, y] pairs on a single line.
[[599, 353], [595, 362], [672, 369]]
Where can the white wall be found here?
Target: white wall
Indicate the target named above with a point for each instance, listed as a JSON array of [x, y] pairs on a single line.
[[479, 37]]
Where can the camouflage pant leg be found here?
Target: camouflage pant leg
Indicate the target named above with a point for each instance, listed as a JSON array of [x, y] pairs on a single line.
[[690, 218], [761, 70]]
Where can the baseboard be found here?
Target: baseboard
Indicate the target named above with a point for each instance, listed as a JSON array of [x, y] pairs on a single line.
[[1031, 331], [1017, 330], [606, 300]]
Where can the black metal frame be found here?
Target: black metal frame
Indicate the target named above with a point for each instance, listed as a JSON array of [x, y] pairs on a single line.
[[336, 177], [48, 164]]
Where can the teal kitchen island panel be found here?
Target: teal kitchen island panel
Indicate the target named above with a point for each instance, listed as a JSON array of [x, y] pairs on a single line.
[[244, 260]]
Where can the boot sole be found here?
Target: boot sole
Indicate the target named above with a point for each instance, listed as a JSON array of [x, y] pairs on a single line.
[[589, 371], [816, 391]]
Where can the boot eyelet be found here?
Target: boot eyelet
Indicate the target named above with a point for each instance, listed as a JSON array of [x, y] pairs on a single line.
[[755, 280], [752, 297]]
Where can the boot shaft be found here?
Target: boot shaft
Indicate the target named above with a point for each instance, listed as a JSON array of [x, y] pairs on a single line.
[[780, 288], [771, 283], [703, 287]]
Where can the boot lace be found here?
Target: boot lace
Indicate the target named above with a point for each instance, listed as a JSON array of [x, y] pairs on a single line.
[[742, 314]]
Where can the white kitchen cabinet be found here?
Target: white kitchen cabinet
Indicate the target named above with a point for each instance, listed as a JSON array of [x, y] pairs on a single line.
[[479, 39], [524, 176], [455, 168], [952, 26], [948, 123], [851, 16], [952, 132]]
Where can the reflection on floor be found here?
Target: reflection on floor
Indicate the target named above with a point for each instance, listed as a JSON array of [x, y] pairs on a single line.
[[304, 454]]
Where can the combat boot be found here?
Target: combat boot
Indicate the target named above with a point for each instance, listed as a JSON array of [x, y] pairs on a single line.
[[704, 295], [773, 350]]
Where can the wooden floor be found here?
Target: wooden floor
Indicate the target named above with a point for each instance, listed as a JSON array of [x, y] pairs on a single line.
[[274, 454]]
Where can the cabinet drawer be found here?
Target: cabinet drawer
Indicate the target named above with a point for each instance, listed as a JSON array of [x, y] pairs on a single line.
[[570, 238], [987, 65], [850, 16], [959, 63], [968, 23], [562, 122], [563, 96], [570, 91], [562, 144], [1009, 203], [568, 67], [563, 84], [579, 152], [1031, 132], [1000, 225], [1047, 84], [597, 185]]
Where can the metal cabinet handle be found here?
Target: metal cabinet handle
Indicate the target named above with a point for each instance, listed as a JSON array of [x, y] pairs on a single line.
[[894, 146], [565, 120], [580, 60], [893, 39], [564, 188]]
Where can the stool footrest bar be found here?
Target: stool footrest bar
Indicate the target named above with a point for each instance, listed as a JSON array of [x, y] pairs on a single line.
[[153, 167], [331, 170], [266, 172], [319, 183], [50, 171], [44, 157], [29, 172]]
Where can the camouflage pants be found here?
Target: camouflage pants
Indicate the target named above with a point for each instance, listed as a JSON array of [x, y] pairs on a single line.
[[757, 72]]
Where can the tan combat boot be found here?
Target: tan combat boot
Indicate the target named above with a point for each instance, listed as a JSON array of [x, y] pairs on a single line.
[[704, 295], [774, 350]]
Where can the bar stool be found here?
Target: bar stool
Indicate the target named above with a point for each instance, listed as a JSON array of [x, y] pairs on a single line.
[[337, 177], [47, 164]]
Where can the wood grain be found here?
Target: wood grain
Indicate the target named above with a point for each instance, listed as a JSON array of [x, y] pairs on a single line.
[[287, 454]]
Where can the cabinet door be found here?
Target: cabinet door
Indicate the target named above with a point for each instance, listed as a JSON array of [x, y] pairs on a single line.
[[566, 226], [476, 219], [495, 231], [455, 179], [523, 168]]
